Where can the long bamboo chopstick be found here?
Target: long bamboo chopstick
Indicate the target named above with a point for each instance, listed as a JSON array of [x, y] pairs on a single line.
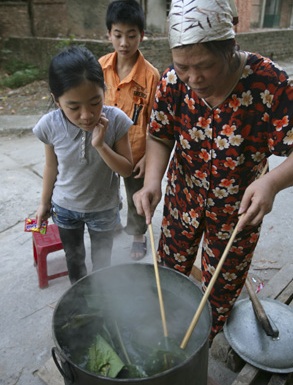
[[208, 290], [212, 281], [162, 309]]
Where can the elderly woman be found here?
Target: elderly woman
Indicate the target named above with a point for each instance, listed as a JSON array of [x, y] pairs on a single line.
[[220, 113]]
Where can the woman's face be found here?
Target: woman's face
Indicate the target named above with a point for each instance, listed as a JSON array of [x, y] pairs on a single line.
[[204, 72], [82, 105]]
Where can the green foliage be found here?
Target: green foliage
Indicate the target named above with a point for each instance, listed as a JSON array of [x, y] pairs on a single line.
[[18, 74], [63, 43], [12, 66]]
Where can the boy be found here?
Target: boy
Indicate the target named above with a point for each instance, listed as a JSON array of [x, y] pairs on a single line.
[[131, 83]]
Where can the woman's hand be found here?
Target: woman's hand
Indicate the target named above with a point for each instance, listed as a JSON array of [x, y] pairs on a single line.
[[157, 158], [146, 201], [257, 201], [259, 197]]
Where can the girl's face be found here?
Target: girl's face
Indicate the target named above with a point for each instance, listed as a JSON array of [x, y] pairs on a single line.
[[125, 39], [204, 72], [83, 105]]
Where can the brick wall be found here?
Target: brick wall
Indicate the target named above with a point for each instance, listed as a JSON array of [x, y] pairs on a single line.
[[14, 20], [53, 18], [50, 18], [43, 18]]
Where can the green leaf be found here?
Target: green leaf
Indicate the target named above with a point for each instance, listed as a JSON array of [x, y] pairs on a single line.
[[103, 359], [167, 355]]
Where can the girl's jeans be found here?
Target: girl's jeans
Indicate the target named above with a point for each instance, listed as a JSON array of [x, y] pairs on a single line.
[[71, 228]]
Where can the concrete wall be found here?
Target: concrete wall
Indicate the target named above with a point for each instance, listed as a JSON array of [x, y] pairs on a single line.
[[63, 18], [156, 16], [86, 18], [276, 44]]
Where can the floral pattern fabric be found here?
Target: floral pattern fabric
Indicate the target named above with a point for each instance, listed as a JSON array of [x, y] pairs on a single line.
[[218, 152]]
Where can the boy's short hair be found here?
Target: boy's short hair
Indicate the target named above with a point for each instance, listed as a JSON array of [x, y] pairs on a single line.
[[125, 12]]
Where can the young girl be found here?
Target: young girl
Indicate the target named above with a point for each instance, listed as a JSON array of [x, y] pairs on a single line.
[[86, 147]]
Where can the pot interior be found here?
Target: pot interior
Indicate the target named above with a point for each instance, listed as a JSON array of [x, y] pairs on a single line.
[[123, 301]]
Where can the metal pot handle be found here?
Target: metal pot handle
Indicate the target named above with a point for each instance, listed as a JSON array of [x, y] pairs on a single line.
[[68, 375]]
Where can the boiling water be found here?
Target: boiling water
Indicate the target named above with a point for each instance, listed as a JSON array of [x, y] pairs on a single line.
[[137, 323], [128, 308]]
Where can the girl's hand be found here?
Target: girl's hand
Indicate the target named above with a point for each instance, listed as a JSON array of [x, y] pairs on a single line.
[[99, 131], [43, 213], [139, 168]]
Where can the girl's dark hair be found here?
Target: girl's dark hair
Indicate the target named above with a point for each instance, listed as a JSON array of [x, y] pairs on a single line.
[[125, 12], [71, 67]]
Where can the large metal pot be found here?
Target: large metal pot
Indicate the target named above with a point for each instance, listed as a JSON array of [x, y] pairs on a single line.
[[130, 299]]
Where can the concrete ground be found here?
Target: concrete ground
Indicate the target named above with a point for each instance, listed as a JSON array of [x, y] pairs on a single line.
[[26, 311]]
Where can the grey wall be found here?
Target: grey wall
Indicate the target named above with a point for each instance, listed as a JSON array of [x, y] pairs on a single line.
[[276, 44]]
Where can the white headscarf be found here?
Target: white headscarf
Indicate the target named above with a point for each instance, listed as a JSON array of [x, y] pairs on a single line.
[[199, 21]]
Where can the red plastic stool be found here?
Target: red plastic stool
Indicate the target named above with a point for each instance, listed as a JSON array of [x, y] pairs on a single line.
[[43, 244]]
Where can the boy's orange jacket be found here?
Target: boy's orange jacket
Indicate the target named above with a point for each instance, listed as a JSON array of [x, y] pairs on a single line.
[[134, 95]]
